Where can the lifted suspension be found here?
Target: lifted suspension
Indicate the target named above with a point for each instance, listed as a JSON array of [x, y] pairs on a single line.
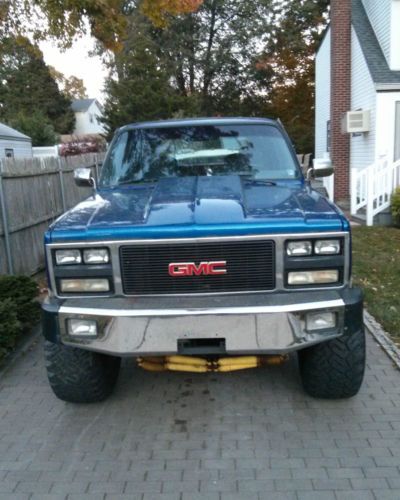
[[203, 365]]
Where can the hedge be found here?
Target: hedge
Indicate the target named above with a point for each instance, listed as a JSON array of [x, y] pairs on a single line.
[[396, 207], [19, 309]]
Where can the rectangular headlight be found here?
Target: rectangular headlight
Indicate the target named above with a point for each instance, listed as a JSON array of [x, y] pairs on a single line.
[[313, 277], [67, 257], [320, 320], [96, 285], [299, 248], [327, 247], [96, 256], [82, 328]]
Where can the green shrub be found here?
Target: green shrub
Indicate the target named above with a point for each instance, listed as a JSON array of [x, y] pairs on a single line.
[[22, 290], [19, 310], [396, 207], [10, 327]]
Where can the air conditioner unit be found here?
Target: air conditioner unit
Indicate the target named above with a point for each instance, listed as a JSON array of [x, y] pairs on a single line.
[[355, 122]]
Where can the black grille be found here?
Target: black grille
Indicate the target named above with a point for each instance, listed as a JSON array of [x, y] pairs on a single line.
[[250, 267]]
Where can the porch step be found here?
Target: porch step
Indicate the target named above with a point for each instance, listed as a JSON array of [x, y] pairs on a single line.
[[382, 219]]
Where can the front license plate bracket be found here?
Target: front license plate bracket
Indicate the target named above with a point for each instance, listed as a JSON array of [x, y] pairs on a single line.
[[201, 346]]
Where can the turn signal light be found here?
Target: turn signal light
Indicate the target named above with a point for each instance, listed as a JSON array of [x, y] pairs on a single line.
[[328, 276], [84, 285]]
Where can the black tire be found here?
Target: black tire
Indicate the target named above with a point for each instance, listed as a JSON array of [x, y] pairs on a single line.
[[334, 369], [80, 376]]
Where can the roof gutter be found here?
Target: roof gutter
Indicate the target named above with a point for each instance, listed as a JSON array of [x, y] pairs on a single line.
[[13, 138], [387, 87]]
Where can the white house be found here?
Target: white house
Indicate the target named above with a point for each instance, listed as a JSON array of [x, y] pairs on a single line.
[[358, 103], [13, 144], [87, 114]]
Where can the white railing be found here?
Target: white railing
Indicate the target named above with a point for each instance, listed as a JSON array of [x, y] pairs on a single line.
[[372, 187]]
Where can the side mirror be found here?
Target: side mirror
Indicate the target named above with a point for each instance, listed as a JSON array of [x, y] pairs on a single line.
[[83, 177], [321, 168]]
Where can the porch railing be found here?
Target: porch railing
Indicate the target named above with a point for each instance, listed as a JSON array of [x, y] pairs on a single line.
[[372, 188]]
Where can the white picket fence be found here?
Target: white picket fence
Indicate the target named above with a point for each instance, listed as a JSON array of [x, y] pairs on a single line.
[[372, 188]]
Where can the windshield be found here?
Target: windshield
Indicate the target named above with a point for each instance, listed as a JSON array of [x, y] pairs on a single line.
[[146, 155]]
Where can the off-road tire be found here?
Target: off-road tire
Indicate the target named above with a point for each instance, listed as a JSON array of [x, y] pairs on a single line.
[[80, 376], [334, 369]]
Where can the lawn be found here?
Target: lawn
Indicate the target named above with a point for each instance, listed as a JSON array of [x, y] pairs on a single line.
[[376, 268]]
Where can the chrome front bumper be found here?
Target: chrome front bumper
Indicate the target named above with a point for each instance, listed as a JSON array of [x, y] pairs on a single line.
[[265, 324]]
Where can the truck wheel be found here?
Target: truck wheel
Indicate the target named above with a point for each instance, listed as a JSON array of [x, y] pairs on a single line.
[[334, 369], [80, 376]]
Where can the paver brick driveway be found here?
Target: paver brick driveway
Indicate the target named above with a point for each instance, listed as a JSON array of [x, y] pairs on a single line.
[[177, 436]]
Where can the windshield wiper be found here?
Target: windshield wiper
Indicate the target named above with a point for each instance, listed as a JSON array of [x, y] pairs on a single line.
[[141, 181], [253, 180]]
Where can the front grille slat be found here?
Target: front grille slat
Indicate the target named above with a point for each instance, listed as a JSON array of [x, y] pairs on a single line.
[[250, 267]]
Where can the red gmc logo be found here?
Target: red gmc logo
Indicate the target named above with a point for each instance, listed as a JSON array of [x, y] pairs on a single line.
[[191, 269]]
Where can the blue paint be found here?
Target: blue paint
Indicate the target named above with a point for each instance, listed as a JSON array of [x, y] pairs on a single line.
[[188, 207]]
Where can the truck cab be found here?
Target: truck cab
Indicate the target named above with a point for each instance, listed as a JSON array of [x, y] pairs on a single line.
[[202, 238]]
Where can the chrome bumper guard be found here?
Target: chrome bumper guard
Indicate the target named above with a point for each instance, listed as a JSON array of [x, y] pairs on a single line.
[[155, 326]]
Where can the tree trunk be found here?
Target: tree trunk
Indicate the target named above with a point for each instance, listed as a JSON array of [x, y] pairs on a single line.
[[208, 72]]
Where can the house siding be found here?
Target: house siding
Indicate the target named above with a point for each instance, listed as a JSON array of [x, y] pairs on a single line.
[[385, 124], [84, 126], [362, 147], [379, 14], [322, 96], [21, 148]]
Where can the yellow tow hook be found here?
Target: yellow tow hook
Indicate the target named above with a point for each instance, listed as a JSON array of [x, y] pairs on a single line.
[[200, 365]]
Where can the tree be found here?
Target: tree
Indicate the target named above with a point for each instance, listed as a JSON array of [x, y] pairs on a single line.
[[293, 104], [72, 87], [158, 11], [229, 57], [139, 86], [27, 88], [64, 21], [37, 126], [203, 62], [285, 70]]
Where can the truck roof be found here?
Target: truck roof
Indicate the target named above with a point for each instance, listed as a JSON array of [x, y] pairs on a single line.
[[190, 122]]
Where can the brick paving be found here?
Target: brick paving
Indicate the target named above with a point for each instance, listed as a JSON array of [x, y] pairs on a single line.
[[249, 435]]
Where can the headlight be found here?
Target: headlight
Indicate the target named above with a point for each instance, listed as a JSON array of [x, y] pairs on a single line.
[[313, 277], [327, 247], [96, 256], [320, 320], [84, 285], [66, 257], [82, 328], [299, 248]]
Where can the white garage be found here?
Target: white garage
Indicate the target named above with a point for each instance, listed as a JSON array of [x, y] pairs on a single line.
[[14, 144]]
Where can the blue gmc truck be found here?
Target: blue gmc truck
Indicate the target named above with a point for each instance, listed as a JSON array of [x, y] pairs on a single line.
[[202, 248]]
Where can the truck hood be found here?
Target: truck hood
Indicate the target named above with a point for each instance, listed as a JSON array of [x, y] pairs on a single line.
[[198, 206]]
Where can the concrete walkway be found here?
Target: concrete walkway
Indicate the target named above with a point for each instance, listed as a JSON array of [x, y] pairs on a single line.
[[249, 435]]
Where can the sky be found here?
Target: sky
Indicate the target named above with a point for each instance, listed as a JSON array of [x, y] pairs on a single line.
[[76, 61]]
